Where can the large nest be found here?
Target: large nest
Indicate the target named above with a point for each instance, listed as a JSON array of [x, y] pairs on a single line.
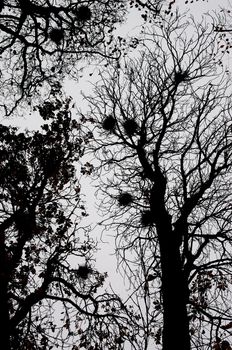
[[130, 127], [180, 76], [125, 199], [147, 218], [57, 35], [83, 13], [83, 271], [109, 123]]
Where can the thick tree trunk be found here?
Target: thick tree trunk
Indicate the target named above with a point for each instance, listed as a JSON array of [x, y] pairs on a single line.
[[174, 286], [175, 298], [4, 306]]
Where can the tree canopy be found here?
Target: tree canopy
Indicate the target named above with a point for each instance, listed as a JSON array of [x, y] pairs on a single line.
[[163, 150], [51, 295], [44, 41], [160, 136]]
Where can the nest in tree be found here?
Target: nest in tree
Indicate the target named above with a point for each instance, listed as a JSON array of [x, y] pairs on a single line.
[[83, 271], [56, 35], [125, 199], [83, 13], [147, 218], [109, 123], [130, 127], [180, 76]]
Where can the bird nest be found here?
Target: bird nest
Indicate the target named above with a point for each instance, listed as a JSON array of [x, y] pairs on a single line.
[[83, 271], [130, 127], [180, 76], [56, 35], [109, 123], [125, 199]]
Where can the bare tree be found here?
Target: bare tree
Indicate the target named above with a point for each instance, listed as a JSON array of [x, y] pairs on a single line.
[[163, 149], [51, 295], [43, 41]]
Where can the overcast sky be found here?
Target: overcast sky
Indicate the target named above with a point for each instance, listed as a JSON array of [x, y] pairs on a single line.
[[131, 28], [105, 260]]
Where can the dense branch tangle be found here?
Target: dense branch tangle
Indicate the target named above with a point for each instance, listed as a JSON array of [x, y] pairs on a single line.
[[50, 293], [164, 143], [44, 40]]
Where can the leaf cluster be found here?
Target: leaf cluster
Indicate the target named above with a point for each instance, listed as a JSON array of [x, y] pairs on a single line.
[[42, 240]]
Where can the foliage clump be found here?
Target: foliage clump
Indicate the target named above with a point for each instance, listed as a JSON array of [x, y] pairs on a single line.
[[109, 123], [25, 222], [125, 199], [130, 127]]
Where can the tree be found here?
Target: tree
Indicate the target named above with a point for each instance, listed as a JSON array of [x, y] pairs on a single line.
[[220, 20], [50, 293], [44, 41], [163, 150]]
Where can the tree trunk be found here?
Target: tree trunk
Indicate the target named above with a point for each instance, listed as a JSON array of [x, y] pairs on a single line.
[[4, 306], [174, 285], [175, 297]]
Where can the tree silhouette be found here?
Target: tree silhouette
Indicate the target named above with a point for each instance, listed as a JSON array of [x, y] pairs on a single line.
[[51, 295], [166, 181], [43, 41]]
